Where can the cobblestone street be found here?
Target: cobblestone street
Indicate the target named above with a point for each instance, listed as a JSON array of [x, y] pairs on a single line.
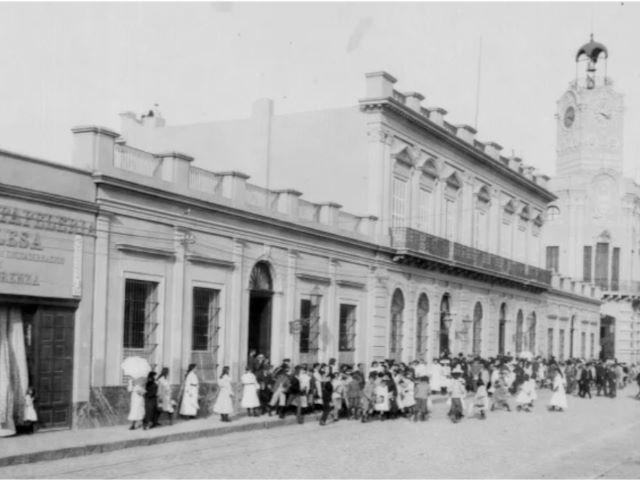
[[594, 438]]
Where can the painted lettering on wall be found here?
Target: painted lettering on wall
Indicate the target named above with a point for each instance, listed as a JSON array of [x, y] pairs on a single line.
[[41, 253], [23, 217]]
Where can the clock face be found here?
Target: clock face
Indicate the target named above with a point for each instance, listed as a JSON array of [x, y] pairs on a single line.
[[569, 117]]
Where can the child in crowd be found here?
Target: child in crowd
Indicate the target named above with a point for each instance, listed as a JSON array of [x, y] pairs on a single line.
[[30, 415], [421, 395], [524, 400], [501, 394], [354, 395], [382, 405], [369, 397], [480, 400], [457, 391]]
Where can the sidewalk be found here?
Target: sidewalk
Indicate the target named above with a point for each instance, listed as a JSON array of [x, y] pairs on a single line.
[[55, 445]]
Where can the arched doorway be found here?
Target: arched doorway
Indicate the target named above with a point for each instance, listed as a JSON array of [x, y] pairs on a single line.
[[395, 341], [445, 324], [422, 327], [501, 328], [260, 296], [477, 329], [531, 333], [519, 331]]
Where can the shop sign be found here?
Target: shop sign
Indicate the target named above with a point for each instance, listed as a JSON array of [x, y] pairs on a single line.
[[40, 251]]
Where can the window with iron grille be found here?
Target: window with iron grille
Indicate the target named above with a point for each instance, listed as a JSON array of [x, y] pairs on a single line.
[[583, 345], [561, 345], [593, 344], [204, 331], [550, 342], [347, 328], [310, 326], [205, 313], [423, 210], [140, 306]]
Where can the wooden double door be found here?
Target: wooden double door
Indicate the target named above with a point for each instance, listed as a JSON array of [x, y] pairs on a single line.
[[50, 350]]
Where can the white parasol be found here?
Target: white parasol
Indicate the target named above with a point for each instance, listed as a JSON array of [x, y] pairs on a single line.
[[526, 355], [136, 367]]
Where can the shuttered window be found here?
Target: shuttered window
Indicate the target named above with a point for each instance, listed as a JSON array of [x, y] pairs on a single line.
[[615, 269], [399, 206], [553, 258], [602, 266], [586, 263]]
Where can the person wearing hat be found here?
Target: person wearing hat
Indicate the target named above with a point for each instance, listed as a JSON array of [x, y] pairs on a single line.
[[189, 403], [501, 392], [584, 381], [457, 391]]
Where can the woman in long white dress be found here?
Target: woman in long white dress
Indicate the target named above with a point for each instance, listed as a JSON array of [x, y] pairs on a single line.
[[224, 404], [559, 398], [189, 404], [165, 403], [250, 399], [136, 406]]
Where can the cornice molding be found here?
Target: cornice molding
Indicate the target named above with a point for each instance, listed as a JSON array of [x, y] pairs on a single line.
[[215, 262], [313, 278], [143, 250], [351, 284], [272, 221], [22, 193], [380, 104]]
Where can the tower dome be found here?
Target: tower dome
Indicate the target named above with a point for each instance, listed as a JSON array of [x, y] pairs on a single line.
[[592, 50]]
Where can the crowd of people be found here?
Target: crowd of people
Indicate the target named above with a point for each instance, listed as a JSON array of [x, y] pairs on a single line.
[[386, 390]]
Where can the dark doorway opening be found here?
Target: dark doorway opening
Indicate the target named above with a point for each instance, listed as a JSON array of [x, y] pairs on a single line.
[[260, 305], [501, 329]]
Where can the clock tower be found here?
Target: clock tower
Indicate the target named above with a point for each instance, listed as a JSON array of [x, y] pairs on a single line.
[[589, 118]]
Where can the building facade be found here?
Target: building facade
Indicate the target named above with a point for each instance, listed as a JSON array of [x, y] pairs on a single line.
[[46, 296], [593, 226], [194, 265], [202, 266]]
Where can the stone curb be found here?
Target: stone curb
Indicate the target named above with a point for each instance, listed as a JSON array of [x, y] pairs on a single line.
[[69, 452]]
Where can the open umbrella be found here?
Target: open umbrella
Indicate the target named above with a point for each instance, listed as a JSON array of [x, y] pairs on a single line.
[[136, 367], [526, 355]]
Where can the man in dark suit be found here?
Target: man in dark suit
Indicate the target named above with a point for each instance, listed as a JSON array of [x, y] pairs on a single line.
[[584, 381]]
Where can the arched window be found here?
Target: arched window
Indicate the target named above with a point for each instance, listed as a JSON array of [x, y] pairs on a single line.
[[477, 328], [421, 326], [397, 309], [260, 279], [553, 213], [519, 331]]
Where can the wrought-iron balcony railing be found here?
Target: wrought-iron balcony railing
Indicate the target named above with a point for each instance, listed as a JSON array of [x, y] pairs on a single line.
[[456, 254]]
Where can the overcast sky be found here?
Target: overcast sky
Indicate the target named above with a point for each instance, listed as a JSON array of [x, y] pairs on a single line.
[[83, 63]]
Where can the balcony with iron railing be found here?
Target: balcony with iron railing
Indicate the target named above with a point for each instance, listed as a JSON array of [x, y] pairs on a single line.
[[615, 287], [408, 241]]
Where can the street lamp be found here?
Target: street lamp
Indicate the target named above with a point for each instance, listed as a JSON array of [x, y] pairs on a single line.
[[315, 296]]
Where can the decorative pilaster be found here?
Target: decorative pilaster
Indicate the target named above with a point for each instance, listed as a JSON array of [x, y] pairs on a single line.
[[235, 329], [100, 305]]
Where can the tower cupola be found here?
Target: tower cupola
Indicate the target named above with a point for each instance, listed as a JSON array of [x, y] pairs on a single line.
[[591, 52]]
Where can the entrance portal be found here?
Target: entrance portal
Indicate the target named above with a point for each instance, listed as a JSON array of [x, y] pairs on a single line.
[[260, 296]]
